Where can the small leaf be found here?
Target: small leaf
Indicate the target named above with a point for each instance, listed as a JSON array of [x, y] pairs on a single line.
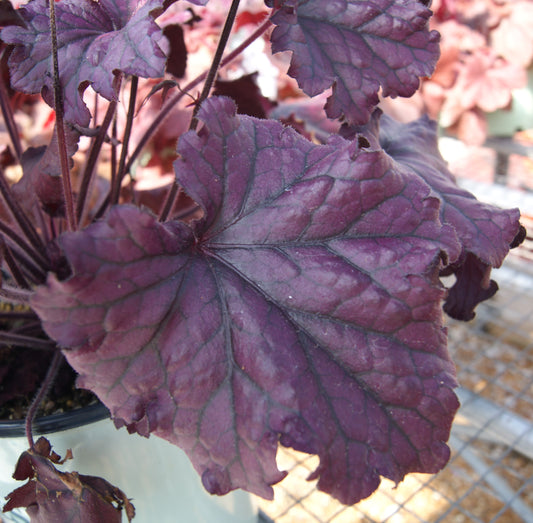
[[177, 56], [356, 46], [9, 15], [473, 286], [51, 495], [304, 308], [41, 180], [246, 95], [95, 40]]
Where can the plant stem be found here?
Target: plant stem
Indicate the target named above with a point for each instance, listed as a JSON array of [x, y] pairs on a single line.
[[114, 141], [60, 126], [115, 190], [210, 78], [169, 201], [14, 315], [16, 273], [15, 295], [215, 64], [8, 113], [10, 233], [165, 111], [23, 222], [92, 159], [55, 364], [39, 273], [20, 340]]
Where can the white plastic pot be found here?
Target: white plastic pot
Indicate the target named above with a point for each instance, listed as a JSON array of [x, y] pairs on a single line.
[[158, 476]]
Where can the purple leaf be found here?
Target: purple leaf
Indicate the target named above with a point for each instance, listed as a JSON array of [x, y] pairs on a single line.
[[246, 94], [473, 285], [52, 495], [9, 15], [95, 40], [356, 46], [177, 54], [304, 308], [485, 232], [41, 182]]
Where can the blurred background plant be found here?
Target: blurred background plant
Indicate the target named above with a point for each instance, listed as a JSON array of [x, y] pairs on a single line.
[[483, 81]]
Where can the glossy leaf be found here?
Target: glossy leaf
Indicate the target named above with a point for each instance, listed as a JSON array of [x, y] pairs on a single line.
[[304, 308], [357, 47]]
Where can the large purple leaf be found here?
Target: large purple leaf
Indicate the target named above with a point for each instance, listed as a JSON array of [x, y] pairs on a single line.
[[486, 232], [304, 308], [95, 39], [356, 46]]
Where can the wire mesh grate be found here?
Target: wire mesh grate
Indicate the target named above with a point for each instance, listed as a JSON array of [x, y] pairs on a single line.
[[489, 478]]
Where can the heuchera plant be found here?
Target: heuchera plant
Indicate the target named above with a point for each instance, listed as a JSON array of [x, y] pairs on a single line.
[[281, 290], [486, 50]]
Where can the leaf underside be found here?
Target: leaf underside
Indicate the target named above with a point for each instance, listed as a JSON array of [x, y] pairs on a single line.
[[303, 309]]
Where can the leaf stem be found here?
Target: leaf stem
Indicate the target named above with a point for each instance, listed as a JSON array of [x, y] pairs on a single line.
[[215, 64], [165, 111], [210, 78], [169, 201], [115, 190], [29, 342], [114, 141], [7, 112], [11, 263], [55, 364], [8, 232], [15, 295], [20, 217], [92, 160], [60, 126]]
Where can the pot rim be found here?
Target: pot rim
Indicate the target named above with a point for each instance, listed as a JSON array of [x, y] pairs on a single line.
[[56, 422]]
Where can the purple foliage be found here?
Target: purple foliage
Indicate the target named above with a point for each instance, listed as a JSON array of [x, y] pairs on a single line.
[[51, 495], [485, 231], [304, 306], [95, 39], [356, 47], [41, 183]]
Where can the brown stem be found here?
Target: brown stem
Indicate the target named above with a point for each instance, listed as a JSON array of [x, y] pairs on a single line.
[[60, 126], [126, 140], [166, 110], [26, 263], [169, 201], [215, 64], [92, 159], [210, 78], [23, 222], [20, 340], [55, 364], [7, 113], [14, 269], [15, 295]]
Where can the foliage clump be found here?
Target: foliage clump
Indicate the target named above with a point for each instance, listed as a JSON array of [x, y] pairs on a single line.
[[281, 289]]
